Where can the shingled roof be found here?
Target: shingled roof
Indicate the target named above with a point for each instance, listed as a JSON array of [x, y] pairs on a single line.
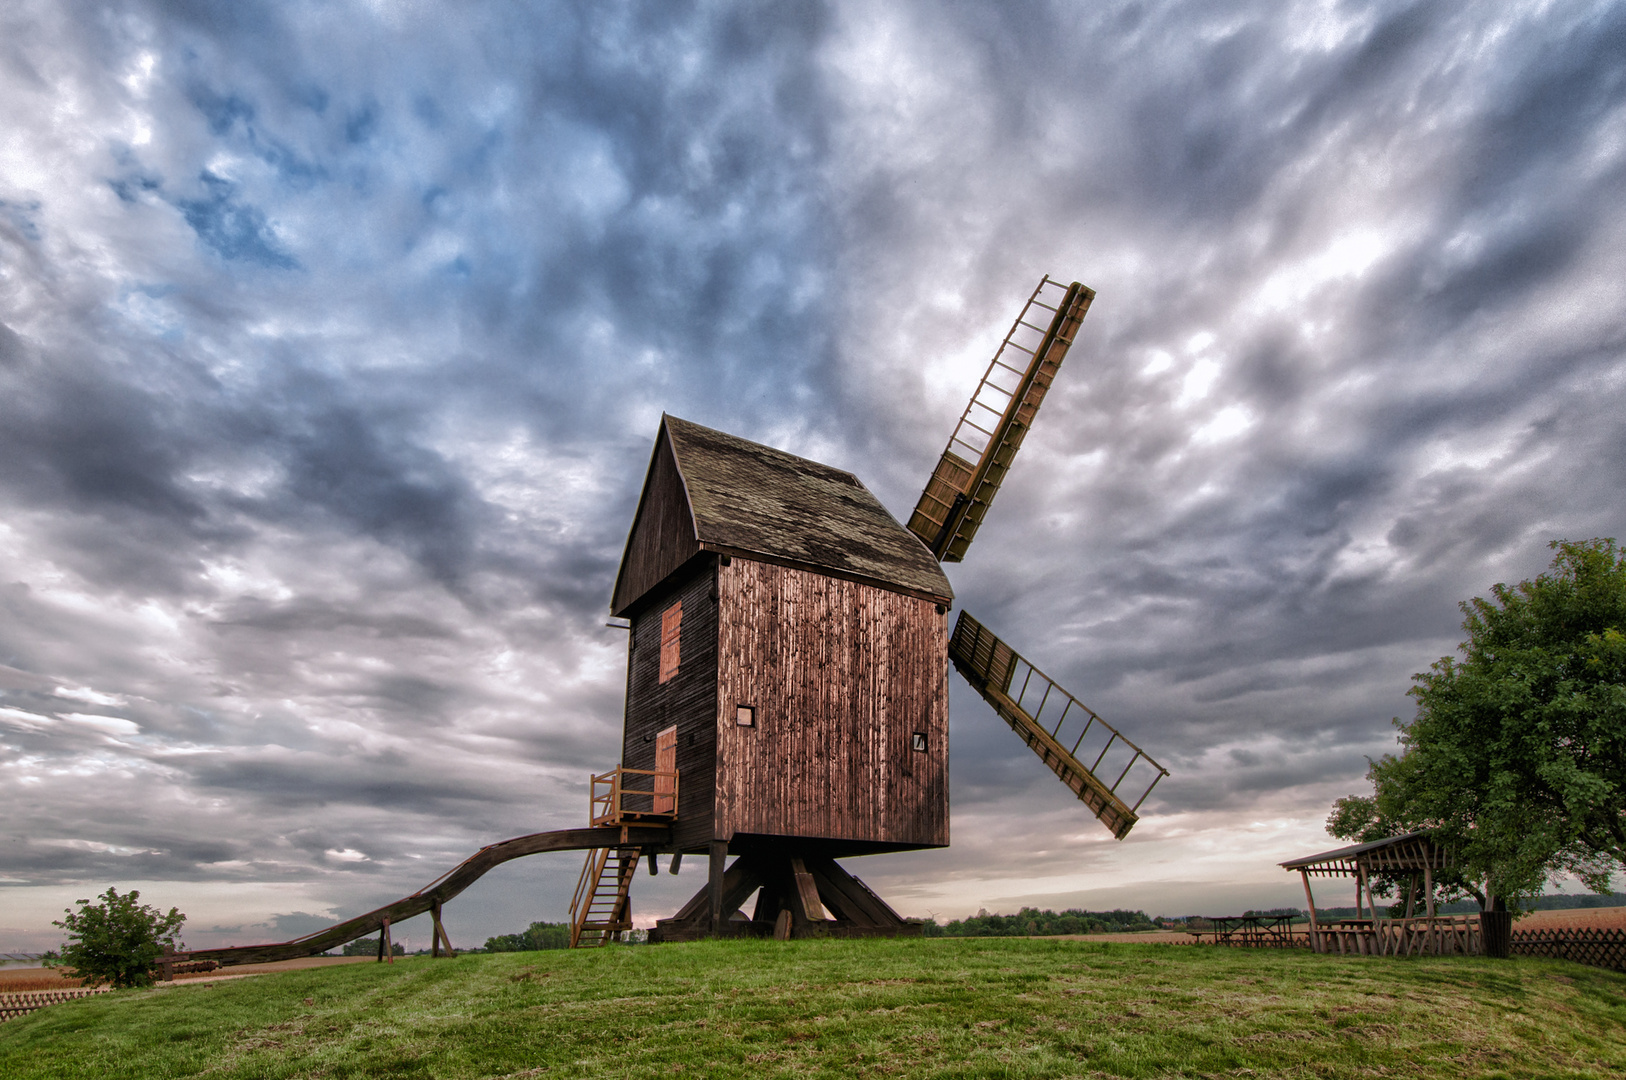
[[742, 498]]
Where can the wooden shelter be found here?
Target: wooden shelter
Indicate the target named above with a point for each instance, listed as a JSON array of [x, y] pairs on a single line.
[[1413, 856], [787, 677]]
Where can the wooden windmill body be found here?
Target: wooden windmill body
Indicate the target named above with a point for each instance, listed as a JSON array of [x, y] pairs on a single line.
[[787, 657], [787, 677]]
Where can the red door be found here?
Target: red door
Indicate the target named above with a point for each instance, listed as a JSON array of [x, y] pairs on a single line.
[[666, 771]]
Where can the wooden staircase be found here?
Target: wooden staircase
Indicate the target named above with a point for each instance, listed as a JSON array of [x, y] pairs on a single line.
[[994, 668], [601, 909], [992, 428]]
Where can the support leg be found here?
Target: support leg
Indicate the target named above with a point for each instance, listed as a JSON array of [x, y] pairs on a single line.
[[386, 950], [714, 883], [1309, 900], [442, 938]]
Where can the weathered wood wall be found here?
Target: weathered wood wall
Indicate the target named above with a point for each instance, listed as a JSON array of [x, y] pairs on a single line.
[[663, 535], [841, 676], [687, 700]]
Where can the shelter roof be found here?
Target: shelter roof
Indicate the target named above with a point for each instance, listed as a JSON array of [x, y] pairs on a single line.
[[754, 501], [1412, 851]]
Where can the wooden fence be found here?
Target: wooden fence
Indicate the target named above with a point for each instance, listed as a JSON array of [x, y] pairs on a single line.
[[1438, 935], [24, 1003], [1595, 948]]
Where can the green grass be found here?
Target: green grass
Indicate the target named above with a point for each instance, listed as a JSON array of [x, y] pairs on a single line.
[[950, 1008]]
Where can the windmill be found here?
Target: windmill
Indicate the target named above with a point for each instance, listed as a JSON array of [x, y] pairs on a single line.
[[787, 683], [787, 696]]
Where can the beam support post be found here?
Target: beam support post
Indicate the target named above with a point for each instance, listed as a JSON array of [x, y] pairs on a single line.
[[1315, 927], [714, 882]]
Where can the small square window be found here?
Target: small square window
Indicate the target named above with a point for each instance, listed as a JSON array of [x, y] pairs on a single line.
[[917, 741], [746, 716]]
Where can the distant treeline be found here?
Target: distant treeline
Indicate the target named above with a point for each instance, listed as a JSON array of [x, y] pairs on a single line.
[[539, 935], [368, 946], [1031, 922]]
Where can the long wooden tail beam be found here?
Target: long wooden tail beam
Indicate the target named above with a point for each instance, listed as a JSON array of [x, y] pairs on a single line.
[[432, 896]]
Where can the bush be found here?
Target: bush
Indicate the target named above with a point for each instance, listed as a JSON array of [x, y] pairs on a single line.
[[117, 941], [368, 946]]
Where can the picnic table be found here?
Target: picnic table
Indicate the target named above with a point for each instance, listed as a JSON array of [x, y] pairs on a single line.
[[1253, 931]]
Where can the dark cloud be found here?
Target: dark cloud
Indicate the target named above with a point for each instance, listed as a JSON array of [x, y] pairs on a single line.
[[332, 343]]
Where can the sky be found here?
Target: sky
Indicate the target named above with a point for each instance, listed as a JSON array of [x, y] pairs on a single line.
[[334, 339]]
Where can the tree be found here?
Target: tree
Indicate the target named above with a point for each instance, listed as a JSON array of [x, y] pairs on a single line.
[[1516, 759], [117, 941]]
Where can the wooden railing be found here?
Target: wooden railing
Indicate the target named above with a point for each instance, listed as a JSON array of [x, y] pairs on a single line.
[[616, 800], [1438, 935]]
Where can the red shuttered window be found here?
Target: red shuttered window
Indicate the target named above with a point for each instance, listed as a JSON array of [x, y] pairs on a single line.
[[671, 654]]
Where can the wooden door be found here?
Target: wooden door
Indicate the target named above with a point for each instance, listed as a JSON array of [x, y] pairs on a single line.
[[665, 770]]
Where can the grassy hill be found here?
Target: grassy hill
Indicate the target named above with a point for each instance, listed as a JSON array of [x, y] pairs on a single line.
[[943, 1007]]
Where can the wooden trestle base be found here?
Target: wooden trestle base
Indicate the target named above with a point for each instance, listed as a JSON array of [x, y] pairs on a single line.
[[798, 888]]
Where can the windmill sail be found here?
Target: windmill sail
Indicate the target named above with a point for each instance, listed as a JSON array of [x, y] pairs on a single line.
[[1045, 715], [991, 429]]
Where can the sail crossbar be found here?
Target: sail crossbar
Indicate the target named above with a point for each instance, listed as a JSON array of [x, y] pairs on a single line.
[[997, 418], [1039, 709]]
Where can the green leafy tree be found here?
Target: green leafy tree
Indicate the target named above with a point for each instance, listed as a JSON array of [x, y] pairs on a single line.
[[118, 940], [1516, 759]]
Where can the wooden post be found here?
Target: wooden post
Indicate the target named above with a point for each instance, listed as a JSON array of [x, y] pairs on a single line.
[[440, 934], [719, 860], [386, 951], [1315, 927], [653, 869], [677, 861], [168, 963], [806, 893]]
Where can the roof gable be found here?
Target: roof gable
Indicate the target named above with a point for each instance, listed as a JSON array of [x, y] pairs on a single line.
[[663, 534], [746, 499]]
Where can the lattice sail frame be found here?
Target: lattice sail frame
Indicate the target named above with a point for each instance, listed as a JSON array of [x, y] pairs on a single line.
[[993, 668], [996, 420]]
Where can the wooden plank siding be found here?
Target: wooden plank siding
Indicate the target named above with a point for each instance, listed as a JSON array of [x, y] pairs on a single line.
[[663, 533], [688, 700], [841, 675]]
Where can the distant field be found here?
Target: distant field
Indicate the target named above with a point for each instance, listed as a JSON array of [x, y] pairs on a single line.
[[1605, 918], [942, 1008]]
